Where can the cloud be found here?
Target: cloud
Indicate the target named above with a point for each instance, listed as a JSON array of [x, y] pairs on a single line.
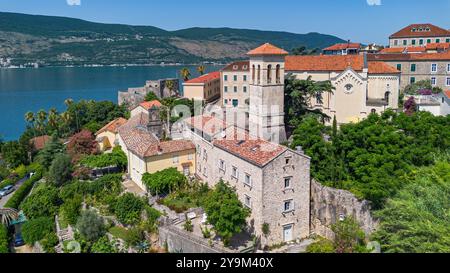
[[74, 2], [374, 2]]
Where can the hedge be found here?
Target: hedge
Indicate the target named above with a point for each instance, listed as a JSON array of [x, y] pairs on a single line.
[[22, 192], [4, 239]]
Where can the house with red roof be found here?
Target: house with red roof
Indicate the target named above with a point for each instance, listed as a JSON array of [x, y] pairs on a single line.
[[419, 35], [343, 49], [204, 88], [107, 137]]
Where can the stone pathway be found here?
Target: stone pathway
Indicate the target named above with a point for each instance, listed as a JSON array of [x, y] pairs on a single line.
[[295, 248]]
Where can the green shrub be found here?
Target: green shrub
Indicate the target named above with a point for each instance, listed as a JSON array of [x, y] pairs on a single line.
[[71, 210], [4, 239], [134, 236], [188, 225], [21, 171], [321, 246], [37, 229], [128, 209], [49, 242], [116, 158], [21, 193], [60, 171], [43, 202], [103, 245], [164, 181]]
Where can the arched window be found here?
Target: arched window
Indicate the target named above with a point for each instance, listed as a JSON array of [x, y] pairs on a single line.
[[373, 111], [387, 97], [259, 74], [253, 73], [269, 73], [278, 75]]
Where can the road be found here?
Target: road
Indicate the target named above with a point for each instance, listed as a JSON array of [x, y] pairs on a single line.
[[6, 198]]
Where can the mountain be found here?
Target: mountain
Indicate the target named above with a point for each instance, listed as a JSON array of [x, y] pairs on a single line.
[[51, 40]]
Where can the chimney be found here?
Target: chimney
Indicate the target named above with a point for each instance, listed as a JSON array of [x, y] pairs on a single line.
[[300, 150]]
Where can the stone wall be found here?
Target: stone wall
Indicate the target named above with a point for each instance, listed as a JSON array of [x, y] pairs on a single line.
[[330, 205]]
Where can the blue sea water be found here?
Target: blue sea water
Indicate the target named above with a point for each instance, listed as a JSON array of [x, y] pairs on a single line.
[[23, 90]]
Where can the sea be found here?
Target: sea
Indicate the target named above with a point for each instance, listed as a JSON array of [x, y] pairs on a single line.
[[33, 89]]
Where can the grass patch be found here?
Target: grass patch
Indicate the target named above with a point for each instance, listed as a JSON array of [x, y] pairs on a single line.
[[119, 232], [192, 196]]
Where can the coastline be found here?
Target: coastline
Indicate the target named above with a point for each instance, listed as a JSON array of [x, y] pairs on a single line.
[[114, 65]]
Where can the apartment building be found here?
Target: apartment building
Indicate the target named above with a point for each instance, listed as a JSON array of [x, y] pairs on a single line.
[[235, 85], [434, 67], [419, 35], [273, 181], [361, 87], [204, 88]]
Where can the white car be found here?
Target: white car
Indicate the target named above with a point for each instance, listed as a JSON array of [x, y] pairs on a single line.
[[6, 190]]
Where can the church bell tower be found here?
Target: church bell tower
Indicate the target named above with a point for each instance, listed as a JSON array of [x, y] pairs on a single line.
[[266, 111]]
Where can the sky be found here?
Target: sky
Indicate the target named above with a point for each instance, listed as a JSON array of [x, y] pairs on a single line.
[[366, 21]]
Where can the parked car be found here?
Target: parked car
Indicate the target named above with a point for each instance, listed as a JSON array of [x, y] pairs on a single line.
[[6, 190], [18, 240]]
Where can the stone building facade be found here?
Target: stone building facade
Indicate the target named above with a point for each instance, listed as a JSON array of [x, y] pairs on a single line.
[[236, 86], [271, 180], [134, 96]]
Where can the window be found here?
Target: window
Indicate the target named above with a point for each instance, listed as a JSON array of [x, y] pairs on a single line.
[[244, 89], [235, 89], [405, 42], [396, 42], [288, 160], [259, 74], [175, 159], [248, 201], [248, 180], [205, 154], [421, 42], [245, 78], [447, 82], [412, 80], [269, 73], [438, 41], [288, 206], [399, 67], [225, 89], [448, 67], [235, 78], [433, 81], [253, 73], [235, 103], [234, 173], [447, 40], [190, 156], [278, 73], [428, 41], [413, 42], [373, 111], [225, 101], [225, 78], [433, 67], [199, 150], [205, 173], [387, 96], [222, 165], [413, 67], [287, 182]]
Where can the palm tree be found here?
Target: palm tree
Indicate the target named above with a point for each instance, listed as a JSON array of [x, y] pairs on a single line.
[[53, 119], [68, 103], [201, 69], [8, 215], [185, 73], [66, 118], [41, 119], [171, 86]]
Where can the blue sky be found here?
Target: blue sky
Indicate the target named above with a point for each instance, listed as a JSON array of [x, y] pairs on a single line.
[[348, 19]]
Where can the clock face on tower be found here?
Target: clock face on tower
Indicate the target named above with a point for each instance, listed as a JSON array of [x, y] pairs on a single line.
[[348, 89]]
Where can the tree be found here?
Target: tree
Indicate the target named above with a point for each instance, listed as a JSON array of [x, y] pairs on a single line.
[[37, 229], [81, 144], [322, 245], [41, 121], [60, 171], [4, 240], [299, 94], [30, 119], [225, 212], [43, 202], [14, 154], [91, 226], [71, 209], [185, 74], [52, 148], [416, 219], [349, 238], [201, 69], [171, 86], [418, 87], [164, 181], [410, 106], [128, 209], [151, 97], [103, 245]]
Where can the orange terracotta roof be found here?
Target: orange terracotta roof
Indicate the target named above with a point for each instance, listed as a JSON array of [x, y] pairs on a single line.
[[147, 105], [416, 49], [205, 78], [207, 124], [447, 93], [343, 46], [238, 66], [435, 46], [335, 63], [267, 49], [413, 30], [145, 144], [393, 50], [39, 142], [112, 126], [442, 56]]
